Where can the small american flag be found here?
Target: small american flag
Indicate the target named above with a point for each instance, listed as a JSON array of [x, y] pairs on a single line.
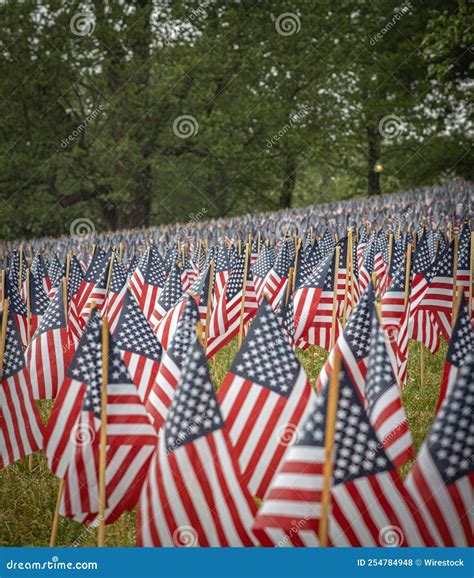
[[441, 479], [194, 495], [460, 346], [162, 392], [50, 351], [21, 430], [264, 397], [367, 496], [140, 348]]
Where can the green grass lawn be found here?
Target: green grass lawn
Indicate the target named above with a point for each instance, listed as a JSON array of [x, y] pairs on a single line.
[[28, 497]]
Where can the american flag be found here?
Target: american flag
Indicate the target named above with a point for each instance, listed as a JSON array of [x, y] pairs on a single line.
[[441, 480], [38, 302], [130, 442], [96, 268], [21, 430], [194, 495], [264, 397], [162, 392], [226, 317], [148, 280], [368, 499], [307, 263], [54, 271], [40, 270], [140, 348], [171, 293], [18, 308], [384, 405], [261, 268], [355, 346], [49, 353], [221, 272], [460, 346], [313, 304], [464, 259], [274, 283], [117, 291], [439, 295], [393, 300]]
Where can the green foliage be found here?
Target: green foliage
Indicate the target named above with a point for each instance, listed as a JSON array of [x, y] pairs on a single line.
[[286, 98]]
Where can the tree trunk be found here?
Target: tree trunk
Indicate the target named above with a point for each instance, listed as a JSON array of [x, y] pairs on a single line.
[[373, 142], [289, 182]]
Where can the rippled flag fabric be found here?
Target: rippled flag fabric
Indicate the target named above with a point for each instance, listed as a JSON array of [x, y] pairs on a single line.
[[264, 397], [441, 480], [194, 495], [21, 430], [140, 348], [50, 352], [460, 346], [369, 504], [162, 392]]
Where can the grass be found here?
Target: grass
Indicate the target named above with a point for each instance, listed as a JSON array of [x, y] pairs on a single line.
[[28, 497]]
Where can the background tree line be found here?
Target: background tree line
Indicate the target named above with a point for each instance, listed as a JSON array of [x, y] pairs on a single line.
[[139, 112]]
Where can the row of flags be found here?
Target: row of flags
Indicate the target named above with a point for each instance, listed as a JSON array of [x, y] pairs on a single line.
[[122, 346]]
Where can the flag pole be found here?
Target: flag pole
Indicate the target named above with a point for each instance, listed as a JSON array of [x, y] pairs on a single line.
[[334, 298], [54, 528], [244, 286], [20, 268], [3, 335], [103, 433], [209, 300], [332, 402], [28, 335]]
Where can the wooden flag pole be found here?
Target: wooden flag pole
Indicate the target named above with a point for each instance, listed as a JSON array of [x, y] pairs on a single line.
[[3, 335], [103, 433], [455, 276], [120, 255], [109, 275], [334, 299], [209, 303], [20, 268], [244, 287], [28, 335], [289, 285], [28, 308], [332, 402], [54, 528], [422, 364]]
